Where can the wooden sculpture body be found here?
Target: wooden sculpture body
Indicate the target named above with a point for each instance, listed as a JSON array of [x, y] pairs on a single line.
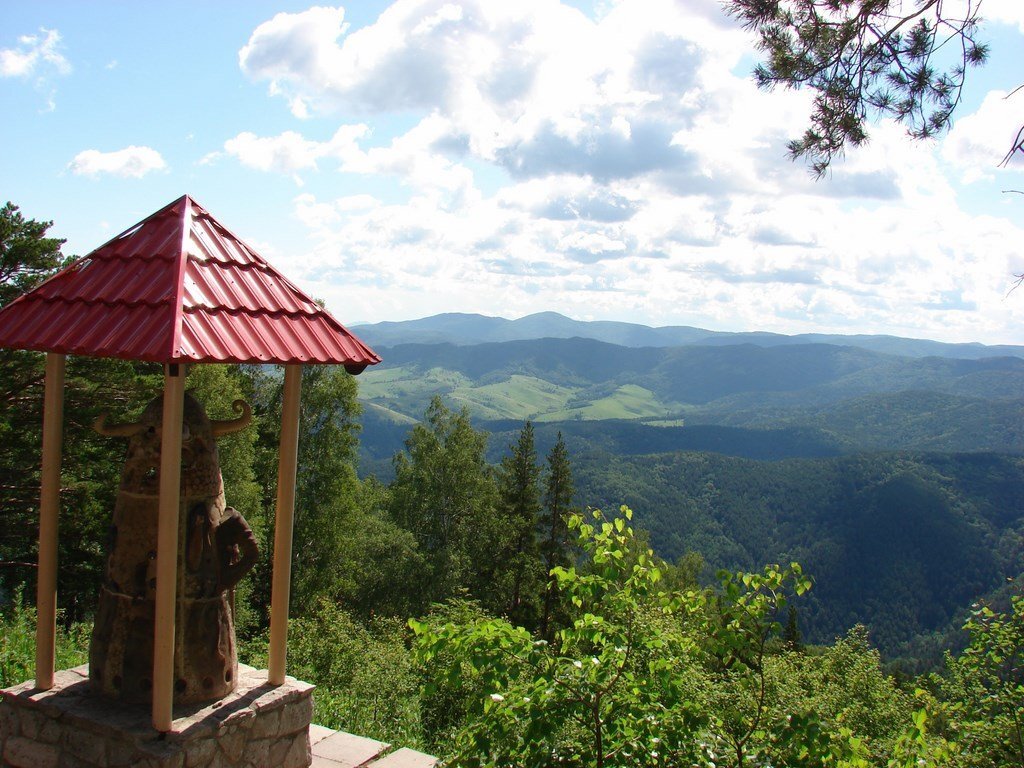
[[215, 549]]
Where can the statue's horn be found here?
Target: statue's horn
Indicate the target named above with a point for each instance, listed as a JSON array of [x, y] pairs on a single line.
[[230, 426], [113, 430]]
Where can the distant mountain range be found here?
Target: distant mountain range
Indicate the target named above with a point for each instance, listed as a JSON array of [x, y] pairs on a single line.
[[464, 329]]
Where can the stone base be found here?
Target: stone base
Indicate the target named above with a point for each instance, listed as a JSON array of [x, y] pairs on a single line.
[[257, 726]]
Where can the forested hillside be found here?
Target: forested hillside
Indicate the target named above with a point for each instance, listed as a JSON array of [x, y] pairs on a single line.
[[851, 398], [901, 543], [895, 479]]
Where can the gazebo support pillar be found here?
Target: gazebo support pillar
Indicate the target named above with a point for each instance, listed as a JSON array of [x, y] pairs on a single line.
[[167, 546], [49, 511], [283, 524]]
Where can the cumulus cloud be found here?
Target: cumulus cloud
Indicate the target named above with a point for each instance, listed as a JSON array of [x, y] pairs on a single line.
[[130, 162], [414, 157], [290, 153], [536, 86]]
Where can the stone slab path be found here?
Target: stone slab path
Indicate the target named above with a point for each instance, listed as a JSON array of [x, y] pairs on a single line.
[[337, 749]]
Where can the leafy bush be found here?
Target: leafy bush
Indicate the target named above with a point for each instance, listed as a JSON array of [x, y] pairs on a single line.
[[640, 677], [18, 643], [366, 683], [984, 688]]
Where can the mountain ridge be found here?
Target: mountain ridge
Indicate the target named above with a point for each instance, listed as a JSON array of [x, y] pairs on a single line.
[[560, 379], [464, 329]]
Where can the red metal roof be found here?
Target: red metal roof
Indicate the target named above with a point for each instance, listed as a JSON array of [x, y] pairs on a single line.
[[178, 287]]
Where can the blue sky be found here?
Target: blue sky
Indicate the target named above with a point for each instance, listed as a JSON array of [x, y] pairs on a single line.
[[607, 160]]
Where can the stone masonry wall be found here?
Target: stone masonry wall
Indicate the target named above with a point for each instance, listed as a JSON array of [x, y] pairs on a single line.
[[257, 726]]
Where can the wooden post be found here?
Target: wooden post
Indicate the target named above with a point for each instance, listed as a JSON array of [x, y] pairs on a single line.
[[283, 522], [49, 510], [167, 546]]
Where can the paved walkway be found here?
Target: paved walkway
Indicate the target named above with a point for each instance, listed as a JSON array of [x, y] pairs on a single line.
[[337, 749]]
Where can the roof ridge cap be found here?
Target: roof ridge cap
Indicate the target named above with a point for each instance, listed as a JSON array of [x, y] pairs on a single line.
[[136, 226], [179, 284]]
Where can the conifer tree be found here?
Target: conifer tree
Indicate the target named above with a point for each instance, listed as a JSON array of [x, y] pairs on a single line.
[[519, 489], [791, 633], [554, 531]]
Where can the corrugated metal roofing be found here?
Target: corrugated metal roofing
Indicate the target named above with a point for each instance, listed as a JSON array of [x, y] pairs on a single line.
[[179, 287]]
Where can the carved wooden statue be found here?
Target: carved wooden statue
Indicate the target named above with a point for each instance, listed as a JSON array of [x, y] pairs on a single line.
[[216, 548]]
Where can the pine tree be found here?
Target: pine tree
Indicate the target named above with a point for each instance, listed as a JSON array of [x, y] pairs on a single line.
[[27, 255], [555, 539], [520, 509], [882, 59], [791, 633]]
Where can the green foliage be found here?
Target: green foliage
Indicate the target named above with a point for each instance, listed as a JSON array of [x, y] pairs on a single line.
[[639, 676], [381, 559], [583, 699], [984, 688], [451, 688], [366, 682], [737, 622], [519, 508], [326, 483], [18, 643], [844, 686], [444, 493]]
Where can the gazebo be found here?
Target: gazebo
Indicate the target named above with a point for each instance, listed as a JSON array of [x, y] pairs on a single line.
[[177, 288]]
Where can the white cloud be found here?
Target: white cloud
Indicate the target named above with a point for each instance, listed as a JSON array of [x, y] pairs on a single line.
[[535, 86], [286, 153], [133, 161], [37, 58], [979, 141], [1005, 11], [412, 158], [35, 55], [289, 152]]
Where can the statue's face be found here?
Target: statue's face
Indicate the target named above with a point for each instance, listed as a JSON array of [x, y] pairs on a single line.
[[200, 472]]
